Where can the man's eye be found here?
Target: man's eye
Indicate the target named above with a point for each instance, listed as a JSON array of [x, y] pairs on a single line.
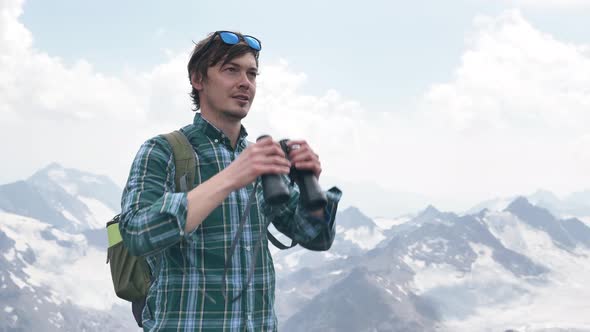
[[231, 69]]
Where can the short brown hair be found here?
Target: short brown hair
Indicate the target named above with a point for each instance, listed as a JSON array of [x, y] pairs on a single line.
[[202, 59]]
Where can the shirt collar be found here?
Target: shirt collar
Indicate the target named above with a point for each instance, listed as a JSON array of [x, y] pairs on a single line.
[[207, 128]]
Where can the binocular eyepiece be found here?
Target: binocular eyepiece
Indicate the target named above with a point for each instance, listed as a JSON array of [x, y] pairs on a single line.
[[276, 191]]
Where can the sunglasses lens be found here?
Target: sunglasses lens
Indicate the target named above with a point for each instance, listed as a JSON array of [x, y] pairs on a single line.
[[229, 38], [252, 42]]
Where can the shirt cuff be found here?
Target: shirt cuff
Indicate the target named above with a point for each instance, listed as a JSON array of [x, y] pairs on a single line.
[[175, 205], [333, 196]]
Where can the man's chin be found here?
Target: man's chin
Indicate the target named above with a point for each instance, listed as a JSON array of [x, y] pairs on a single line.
[[236, 114]]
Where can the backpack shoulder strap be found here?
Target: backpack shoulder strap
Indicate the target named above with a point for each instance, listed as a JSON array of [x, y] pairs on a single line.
[[184, 160]]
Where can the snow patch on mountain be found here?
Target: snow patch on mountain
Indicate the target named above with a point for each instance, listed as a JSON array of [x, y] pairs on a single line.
[[10, 255], [428, 245], [565, 299], [508, 230], [70, 217], [524, 239], [292, 260], [95, 292], [100, 212], [89, 179], [331, 256], [432, 275], [57, 174], [22, 230], [18, 281], [585, 220], [61, 262], [563, 292], [363, 236]]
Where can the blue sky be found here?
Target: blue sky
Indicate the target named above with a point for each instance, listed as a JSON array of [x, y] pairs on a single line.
[[381, 53], [458, 101], [374, 42]]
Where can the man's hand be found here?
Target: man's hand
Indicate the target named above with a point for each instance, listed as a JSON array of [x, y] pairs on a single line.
[[303, 157], [263, 157]]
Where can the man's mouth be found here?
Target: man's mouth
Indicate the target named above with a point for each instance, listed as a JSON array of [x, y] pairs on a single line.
[[242, 97]]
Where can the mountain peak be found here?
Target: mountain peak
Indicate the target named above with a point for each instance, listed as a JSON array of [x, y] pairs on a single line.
[[430, 211], [518, 204], [541, 219], [67, 198], [482, 213], [353, 210], [54, 166], [353, 217], [54, 172]]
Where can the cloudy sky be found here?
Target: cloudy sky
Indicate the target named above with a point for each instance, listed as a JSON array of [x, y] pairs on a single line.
[[454, 101]]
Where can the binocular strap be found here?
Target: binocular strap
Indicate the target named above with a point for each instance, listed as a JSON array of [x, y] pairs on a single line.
[[234, 244]]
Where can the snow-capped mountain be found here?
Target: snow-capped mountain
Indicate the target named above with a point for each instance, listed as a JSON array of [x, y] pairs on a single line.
[[355, 234], [491, 271], [567, 233], [66, 198], [517, 266], [53, 275], [51, 280], [573, 205]]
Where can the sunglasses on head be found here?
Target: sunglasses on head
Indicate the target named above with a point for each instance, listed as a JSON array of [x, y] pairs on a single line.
[[232, 38]]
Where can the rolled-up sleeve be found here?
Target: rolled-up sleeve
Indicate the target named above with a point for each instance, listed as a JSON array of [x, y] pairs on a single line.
[[153, 215], [297, 223]]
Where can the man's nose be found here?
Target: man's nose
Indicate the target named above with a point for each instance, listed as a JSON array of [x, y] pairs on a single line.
[[245, 82]]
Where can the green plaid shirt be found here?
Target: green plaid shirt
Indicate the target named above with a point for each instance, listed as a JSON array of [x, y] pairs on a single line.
[[187, 268]]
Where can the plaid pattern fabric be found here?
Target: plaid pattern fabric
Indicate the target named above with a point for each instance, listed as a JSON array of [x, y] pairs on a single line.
[[186, 294]]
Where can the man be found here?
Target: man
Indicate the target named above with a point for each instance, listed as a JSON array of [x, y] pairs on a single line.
[[186, 237]]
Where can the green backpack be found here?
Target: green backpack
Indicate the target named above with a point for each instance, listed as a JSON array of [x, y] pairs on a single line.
[[131, 274]]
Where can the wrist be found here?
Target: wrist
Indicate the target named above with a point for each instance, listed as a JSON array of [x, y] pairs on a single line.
[[226, 181]]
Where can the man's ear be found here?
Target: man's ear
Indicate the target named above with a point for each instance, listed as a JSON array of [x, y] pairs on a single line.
[[197, 81]]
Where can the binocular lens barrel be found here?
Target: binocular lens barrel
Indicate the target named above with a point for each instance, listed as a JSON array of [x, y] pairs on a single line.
[[276, 191], [311, 195], [274, 188]]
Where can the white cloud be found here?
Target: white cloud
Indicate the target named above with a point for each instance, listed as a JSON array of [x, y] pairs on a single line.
[[517, 104], [511, 120], [513, 74], [83, 118]]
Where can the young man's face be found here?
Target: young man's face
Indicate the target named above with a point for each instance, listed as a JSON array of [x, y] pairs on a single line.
[[229, 89]]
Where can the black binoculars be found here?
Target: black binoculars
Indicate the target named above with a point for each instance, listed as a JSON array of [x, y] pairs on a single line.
[[311, 196]]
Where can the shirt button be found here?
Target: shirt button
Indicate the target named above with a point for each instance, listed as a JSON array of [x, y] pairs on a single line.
[[216, 140], [249, 316], [247, 248]]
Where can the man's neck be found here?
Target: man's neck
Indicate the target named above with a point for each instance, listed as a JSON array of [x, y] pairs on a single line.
[[230, 127]]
